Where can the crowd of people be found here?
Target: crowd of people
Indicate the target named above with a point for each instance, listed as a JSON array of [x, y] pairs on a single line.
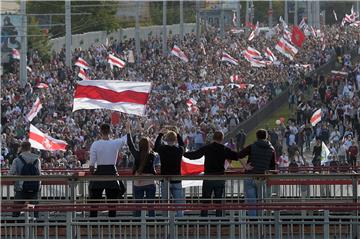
[[174, 82]]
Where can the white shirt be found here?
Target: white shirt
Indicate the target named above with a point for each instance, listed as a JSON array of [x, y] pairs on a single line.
[[105, 152]]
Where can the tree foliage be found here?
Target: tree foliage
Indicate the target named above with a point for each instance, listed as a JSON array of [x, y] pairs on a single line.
[[38, 40]]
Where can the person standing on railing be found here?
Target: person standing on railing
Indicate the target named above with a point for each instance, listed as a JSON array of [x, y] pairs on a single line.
[[215, 155], [170, 159], [261, 158], [143, 165], [103, 153], [26, 163]]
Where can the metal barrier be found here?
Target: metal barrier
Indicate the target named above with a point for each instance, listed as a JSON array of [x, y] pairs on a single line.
[[289, 206]]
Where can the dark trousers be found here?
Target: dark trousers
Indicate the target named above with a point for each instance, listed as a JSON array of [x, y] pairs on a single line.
[[112, 188], [139, 194], [216, 186], [23, 197]]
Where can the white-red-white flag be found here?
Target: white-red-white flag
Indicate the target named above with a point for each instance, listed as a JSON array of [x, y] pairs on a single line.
[[39, 140], [270, 55], [176, 51], [255, 32], [192, 167], [316, 117], [82, 63], [83, 75], [286, 48], [42, 86], [122, 96], [235, 78], [114, 61], [190, 102], [226, 57], [253, 53], [15, 54], [34, 110]]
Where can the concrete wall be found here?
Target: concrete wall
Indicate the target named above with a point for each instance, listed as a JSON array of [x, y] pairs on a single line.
[[87, 39]]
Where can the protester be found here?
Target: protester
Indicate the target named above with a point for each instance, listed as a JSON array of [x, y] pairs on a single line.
[[261, 157], [103, 154], [26, 163]]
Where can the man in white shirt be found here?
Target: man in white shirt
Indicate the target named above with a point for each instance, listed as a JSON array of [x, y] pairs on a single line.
[[104, 153]]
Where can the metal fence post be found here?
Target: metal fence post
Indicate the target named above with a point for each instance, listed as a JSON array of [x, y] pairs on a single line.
[[242, 224], [69, 225], [172, 231], [143, 225], [232, 224], [277, 225], [355, 228], [27, 226], [326, 225]]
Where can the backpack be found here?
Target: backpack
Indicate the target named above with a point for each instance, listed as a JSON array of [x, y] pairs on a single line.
[[30, 169]]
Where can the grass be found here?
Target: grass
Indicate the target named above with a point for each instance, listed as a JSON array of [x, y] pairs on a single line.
[[269, 122]]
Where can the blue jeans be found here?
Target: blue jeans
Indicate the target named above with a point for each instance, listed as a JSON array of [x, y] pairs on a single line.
[[176, 193], [250, 190], [144, 192]]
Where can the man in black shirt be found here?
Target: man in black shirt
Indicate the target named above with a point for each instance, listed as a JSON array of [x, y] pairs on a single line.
[[215, 155], [170, 159], [261, 157]]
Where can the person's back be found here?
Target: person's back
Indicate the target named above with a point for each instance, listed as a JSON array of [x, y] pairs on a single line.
[[260, 157]]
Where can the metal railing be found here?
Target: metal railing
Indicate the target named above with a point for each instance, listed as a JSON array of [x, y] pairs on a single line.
[[289, 206]]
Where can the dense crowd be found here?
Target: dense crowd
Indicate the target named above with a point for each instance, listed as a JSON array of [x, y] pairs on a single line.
[[174, 82]]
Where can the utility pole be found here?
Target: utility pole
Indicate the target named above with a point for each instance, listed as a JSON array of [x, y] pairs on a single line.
[[286, 12], [164, 43], [247, 12], [68, 33], [309, 13], [296, 13], [317, 14], [270, 13], [198, 30], [23, 49], [252, 11], [238, 12], [137, 33], [182, 20], [358, 6], [222, 32]]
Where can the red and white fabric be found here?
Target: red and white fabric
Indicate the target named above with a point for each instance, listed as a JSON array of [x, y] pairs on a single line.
[[192, 167], [236, 31], [252, 52], [34, 110], [226, 57], [115, 61], [235, 78], [15, 54], [255, 32], [316, 117], [176, 51], [302, 24], [82, 63], [270, 55], [287, 35], [286, 48], [83, 75], [39, 140], [42, 86], [122, 96], [190, 102], [212, 88]]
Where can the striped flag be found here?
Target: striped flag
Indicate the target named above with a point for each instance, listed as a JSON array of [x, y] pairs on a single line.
[[192, 167], [253, 52], [176, 51], [15, 54], [82, 63], [286, 48], [255, 32], [122, 96], [302, 24], [114, 61], [228, 58], [235, 78], [316, 117], [83, 75], [268, 53], [34, 110], [39, 140], [42, 86], [190, 102]]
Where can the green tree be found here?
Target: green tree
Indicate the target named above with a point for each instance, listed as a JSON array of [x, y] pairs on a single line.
[[38, 40]]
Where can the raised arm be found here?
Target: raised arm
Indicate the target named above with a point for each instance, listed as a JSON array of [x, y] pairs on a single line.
[[130, 142], [195, 154], [158, 142]]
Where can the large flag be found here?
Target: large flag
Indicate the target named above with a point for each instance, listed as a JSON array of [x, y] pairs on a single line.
[[325, 152], [270, 55], [34, 110], [192, 167], [297, 36], [228, 58], [83, 75], [286, 48], [316, 117], [176, 51], [15, 54], [122, 96], [42, 86], [114, 61], [39, 140], [82, 63]]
